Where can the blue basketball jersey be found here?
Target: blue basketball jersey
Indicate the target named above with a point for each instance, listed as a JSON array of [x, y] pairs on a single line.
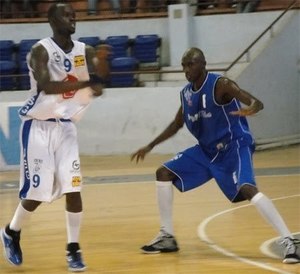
[[211, 123]]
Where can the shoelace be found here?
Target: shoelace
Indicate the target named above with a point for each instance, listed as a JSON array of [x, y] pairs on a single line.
[[159, 237], [290, 245]]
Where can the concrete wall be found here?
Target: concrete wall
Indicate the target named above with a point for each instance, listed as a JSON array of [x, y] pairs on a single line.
[[274, 77], [124, 119]]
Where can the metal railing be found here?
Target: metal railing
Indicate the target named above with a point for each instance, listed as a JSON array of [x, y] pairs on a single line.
[[245, 51], [269, 28]]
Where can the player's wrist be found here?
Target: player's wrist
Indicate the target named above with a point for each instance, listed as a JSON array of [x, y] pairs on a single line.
[[95, 79]]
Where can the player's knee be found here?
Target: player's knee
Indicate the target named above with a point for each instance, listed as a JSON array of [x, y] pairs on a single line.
[[163, 174], [248, 191], [73, 202], [30, 205]]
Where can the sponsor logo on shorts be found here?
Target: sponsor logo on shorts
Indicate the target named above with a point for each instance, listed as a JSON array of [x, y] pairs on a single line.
[[235, 180], [37, 165], [176, 157], [76, 181], [76, 165]]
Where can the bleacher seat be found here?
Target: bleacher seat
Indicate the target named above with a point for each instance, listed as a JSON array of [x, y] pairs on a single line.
[[119, 45], [24, 47], [7, 48], [146, 48], [123, 64], [90, 40], [7, 68]]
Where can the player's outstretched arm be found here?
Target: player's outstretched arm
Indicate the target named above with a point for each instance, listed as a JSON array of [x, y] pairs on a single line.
[[171, 130]]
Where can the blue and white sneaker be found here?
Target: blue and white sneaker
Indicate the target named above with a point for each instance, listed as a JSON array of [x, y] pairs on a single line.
[[75, 262], [11, 244]]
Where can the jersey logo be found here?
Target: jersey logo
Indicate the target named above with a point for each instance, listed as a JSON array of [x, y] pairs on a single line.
[[79, 61], [69, 94], [188, 97], [56, 57]]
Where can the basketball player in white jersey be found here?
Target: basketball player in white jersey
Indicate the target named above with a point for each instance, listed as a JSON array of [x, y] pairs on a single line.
[[61, 90]]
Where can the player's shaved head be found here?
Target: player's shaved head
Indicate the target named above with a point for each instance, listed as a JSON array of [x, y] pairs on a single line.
[[193, 54], [53, 10], [61, 17]]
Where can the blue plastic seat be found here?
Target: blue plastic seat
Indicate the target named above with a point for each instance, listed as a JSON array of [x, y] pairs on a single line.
[[7, 48], [119, 45], [7, 79], [123, 64], [145, 48], [24, 47], [90, 40]]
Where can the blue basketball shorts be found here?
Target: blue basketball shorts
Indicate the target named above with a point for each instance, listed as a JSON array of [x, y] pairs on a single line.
[[231, 168]]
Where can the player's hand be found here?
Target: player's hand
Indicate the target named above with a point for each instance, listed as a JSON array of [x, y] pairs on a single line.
[[255, 107], [140, 154], [104, 51], [97, 89], [243, 112]]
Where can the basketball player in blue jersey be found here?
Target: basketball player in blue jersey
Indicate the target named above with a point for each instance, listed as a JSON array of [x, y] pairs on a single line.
[[61, 90], [212, 111]]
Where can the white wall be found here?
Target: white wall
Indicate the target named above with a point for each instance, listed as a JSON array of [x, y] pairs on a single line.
[[274, 77], [124, 120]]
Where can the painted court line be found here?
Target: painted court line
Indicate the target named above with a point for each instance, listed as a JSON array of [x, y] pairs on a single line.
[[203, 236]]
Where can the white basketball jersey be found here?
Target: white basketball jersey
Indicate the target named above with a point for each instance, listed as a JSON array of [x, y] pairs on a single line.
[[62, 66]]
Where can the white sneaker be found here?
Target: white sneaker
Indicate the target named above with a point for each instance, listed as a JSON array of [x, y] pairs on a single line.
[[290, 254], [163, 242]]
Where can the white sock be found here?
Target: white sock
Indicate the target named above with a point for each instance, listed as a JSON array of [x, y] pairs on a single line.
[[164, 191], [20, 217], [73, 221], [267, 209]]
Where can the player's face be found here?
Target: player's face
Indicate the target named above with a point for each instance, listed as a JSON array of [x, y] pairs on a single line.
[[64, 20], [192, 67]]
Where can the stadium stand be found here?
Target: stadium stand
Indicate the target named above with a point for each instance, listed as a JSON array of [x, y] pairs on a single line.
[[123, 64], [7, 69], [93, 41]]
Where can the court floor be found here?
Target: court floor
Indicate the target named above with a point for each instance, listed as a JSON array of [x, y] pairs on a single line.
[[120, 215]]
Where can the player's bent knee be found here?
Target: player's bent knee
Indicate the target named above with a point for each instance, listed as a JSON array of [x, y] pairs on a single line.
[[248, 191], [163, 174]]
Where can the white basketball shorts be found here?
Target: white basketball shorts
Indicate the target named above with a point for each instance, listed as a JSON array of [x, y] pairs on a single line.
[[49, 165]]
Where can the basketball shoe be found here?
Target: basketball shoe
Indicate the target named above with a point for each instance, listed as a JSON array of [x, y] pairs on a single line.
[[74, 258], [163, 242], [11, 243], [290, 254]]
